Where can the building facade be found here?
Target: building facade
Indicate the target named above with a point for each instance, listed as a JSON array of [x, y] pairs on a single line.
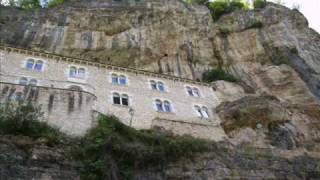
[[138, 98]]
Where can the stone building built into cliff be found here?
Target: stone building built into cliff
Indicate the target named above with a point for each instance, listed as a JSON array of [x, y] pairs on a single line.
[[70, 91]]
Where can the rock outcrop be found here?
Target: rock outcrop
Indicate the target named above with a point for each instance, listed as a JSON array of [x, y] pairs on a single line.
[[172, 37], [26, 158]]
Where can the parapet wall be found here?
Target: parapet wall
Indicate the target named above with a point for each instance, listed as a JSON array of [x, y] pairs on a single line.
[[70, 111]]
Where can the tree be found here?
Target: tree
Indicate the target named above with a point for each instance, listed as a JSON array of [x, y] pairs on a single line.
[[259, 3], [29, 4]]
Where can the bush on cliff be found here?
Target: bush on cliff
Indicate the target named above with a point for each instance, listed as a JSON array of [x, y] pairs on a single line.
[[259, 3], [24, 119], [113, 150], [53, 3], [218, 74], [221, 7]]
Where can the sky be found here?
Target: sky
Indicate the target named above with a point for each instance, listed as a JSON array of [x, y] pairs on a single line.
[[310, 9]]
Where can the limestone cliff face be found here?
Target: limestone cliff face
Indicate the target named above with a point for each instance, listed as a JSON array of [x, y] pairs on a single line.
[[164, 36], [171, 37]]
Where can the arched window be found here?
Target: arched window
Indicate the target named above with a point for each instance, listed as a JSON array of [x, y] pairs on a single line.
[[18, 96], [30, 64], [125, 100], [189, 90], [38, 65], [81, 73], [116, 98], [198, 110], [122, 80], [167, 106], [205, 112], [153, 85], [23, 81], [33, 82], [196, 92], [160, 86], [73, 72], [159, 105], [114, 79]]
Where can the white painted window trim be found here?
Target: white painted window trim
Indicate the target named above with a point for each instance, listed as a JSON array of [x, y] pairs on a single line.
[[163, 100], [24, 64], [28, 80], [200, 106], [130, 100], [118, 75], [200, 91], [165, 85]]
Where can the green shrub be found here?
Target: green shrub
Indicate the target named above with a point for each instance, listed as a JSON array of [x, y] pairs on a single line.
[[259, 3], [112, 150], [29, 4], [24, 119], [199, 2], [53, 3], [221, 7], [280, 57], [218, 74]]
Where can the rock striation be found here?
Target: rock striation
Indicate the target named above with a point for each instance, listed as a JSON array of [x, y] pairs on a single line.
[[172, 37]]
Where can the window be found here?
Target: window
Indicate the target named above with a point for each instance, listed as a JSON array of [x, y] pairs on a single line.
[[159, 86], [33, 82], [193, 91], [189, 90], [19, 96], [202, 112], [153, 85], [119, 80], [125, 100], [164, 106], [81, 73], [29, 64], [121, 100], [159, 106], [23, 81], [196, 92], [205, 112], [167, 106], [123, 80], [38, 65], [75, 72], [116, 98], [34, 65], [114, 79], [198, 110]]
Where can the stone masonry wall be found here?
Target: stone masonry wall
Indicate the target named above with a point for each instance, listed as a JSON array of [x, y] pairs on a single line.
[[70, 111], [97, 81]]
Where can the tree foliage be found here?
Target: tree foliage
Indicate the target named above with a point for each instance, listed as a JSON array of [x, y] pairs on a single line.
[[23, 118], [259, 3], [113, 150], [53, 3], [218, 74], [221, 7]]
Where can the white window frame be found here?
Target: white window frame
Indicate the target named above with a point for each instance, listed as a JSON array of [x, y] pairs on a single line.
[[202, 116], [118, 81], [35, 60], [77, 78], [157, 81], [192, 89], [130, 101], [163, 101]]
